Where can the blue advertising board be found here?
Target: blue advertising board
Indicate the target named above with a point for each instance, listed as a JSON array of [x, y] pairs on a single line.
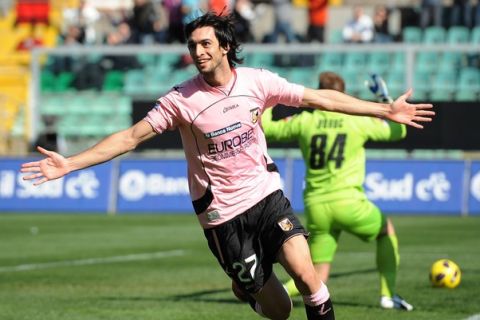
[[85, 190], [298, 182], [404, 186], [153, 185], [157, 185], [474, 189], [411, 186], [161, 185]]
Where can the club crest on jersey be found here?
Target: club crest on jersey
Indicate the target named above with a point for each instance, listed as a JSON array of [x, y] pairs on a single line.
[[285, 224], [255, 114]]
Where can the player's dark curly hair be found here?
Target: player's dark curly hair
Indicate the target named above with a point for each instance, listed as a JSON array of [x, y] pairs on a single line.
[[224, 31]]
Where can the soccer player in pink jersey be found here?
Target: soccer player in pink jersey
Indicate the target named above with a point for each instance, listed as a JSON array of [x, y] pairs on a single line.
[[234, 184]]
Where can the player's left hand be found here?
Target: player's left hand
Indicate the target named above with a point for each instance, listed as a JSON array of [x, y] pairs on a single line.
[[410, 114]]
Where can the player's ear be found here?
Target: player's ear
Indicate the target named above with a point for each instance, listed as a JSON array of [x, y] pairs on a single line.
[[226, 49]]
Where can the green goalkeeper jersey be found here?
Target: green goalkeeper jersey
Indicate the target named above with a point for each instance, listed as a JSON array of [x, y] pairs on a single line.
[[332, 145]]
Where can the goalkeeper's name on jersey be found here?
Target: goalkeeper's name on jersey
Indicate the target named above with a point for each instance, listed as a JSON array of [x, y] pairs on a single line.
[[330, 123]]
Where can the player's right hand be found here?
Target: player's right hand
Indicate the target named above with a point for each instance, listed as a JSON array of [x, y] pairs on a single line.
[[54, 166]]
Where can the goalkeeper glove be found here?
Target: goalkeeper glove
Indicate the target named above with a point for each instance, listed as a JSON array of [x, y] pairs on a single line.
[[379, 88]]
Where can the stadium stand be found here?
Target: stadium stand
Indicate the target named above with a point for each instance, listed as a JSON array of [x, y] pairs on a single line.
[[379, 62], [475, 35], [434, 34], [458, 34], [332, 61], [435, 74], [356, 61], [24, 26], [412, 34]]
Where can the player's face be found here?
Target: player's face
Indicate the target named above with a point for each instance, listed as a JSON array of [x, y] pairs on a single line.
[[205, 50]]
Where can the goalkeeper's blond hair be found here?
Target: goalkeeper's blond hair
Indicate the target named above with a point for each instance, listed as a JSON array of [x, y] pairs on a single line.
[[331, 80]]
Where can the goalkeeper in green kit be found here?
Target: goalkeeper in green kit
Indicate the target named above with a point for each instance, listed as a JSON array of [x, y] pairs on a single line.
[[332, 146]]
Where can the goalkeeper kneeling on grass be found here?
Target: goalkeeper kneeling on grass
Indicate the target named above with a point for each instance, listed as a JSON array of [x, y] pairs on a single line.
[[332, 146]]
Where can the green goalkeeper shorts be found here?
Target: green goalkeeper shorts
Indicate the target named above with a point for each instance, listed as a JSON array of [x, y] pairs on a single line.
[[326, 221]]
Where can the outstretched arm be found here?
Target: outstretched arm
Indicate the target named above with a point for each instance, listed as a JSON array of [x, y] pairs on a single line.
[[399, 111], [55, 166]]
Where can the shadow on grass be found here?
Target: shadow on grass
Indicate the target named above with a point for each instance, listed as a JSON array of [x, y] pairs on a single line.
[[351, 273], [199, 296], [209, 295]]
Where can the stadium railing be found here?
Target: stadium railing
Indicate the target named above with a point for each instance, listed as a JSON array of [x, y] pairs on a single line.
[[421, 66]]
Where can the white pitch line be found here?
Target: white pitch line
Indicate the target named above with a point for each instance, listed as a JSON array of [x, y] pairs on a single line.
[[474, 317], [84, 262]]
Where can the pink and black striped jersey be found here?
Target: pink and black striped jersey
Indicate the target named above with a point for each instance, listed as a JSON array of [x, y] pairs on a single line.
[[229, 170]]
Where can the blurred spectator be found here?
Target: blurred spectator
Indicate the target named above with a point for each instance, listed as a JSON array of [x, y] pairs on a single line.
[[359, 29], [146, 23], [431, 13], [175, 23], [244, 14], [190, 10], [74, 35], [380, 23], [282, 26], [121, 36], [461, 13], [221, 6], [124, 33], [91, 74], [87, 17], [5, 7], [477, 14], [29, 42], [318, 15]]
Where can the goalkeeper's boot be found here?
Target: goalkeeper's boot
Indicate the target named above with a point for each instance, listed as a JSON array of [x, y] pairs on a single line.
[[395, 302]]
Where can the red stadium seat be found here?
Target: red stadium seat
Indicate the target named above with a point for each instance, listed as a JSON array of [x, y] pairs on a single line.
[[32, 11]]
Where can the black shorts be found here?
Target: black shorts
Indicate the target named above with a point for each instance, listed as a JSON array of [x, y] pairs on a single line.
[[247, 246]]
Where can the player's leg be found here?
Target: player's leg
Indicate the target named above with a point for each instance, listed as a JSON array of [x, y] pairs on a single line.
[[322, 248], [388, 260], [324, 234], [272, 300], [322, 241], [284, 240], [295, 258], [236, 252], [365, 220], [246, 247], [322, 270]]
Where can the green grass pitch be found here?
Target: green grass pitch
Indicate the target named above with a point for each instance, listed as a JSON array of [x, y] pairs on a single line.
[[89, 267]]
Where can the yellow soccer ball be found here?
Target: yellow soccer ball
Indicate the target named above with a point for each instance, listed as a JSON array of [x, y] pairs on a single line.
[[445, 274]]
